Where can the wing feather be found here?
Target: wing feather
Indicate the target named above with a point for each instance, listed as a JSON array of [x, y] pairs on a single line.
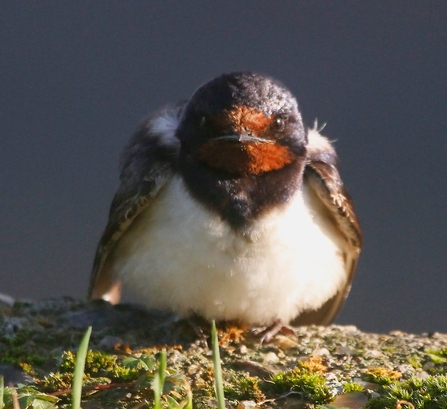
[[322, 176], [147, 163]]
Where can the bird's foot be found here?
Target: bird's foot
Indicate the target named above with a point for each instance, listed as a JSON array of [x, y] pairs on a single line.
[[267, 333], [197, 324]]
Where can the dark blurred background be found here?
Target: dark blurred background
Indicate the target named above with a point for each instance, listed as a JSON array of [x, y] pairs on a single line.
[[77, 77]]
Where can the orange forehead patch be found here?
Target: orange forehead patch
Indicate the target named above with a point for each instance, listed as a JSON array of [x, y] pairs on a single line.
[[242, 119], [245, 158]]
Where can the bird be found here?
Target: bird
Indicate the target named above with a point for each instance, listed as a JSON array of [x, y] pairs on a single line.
[[231, 209]]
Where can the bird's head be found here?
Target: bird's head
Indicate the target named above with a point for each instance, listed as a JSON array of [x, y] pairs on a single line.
[[243, 124]]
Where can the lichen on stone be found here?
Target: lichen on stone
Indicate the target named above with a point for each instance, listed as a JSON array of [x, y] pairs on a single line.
[[310, 367]]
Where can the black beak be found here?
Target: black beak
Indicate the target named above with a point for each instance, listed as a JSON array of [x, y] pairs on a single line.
[[243, 138]]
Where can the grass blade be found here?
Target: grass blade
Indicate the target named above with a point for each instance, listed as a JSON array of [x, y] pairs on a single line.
[[79, 370], [2, 389], [189, 402], [218, 382], [159, 381]]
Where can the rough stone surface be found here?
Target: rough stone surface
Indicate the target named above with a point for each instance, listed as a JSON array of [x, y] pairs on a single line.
[[34, 336]]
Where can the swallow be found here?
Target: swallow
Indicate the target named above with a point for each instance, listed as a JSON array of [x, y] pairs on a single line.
[[229, 208]]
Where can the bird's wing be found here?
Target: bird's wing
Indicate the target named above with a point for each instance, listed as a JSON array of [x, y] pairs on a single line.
[[147, 163], [321, 175]]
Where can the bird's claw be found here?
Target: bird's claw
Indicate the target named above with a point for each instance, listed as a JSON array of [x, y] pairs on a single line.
[[269, 332]]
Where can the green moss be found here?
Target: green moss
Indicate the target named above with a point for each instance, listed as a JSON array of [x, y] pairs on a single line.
[[101, 364], [390, 350], [311, 385], [415, 361], [57, 381], [352, 387], [100, 369], [437, 359], [438, 352], [14, 353], [30, 347], [430, 393], [382, 376], [312, 364], [244, 387]]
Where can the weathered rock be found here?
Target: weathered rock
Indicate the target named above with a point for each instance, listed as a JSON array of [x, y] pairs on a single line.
[[353, 366]]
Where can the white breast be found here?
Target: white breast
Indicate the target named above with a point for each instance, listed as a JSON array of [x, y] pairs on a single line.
[[179, 256]]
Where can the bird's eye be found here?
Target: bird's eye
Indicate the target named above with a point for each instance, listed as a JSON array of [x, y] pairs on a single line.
[[279, 124]]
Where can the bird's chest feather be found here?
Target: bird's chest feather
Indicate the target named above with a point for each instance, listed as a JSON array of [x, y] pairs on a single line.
[[178, 255]]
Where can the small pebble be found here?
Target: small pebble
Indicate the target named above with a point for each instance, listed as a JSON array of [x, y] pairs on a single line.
[[406, 369], [271, 358], [193, 369], [321, 352], [6, 299], [285, 343], [14, 375], [109, 342], [342, 350], [352, 400], [422, 375], [373, 354], [428, 365], [246, 404]]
